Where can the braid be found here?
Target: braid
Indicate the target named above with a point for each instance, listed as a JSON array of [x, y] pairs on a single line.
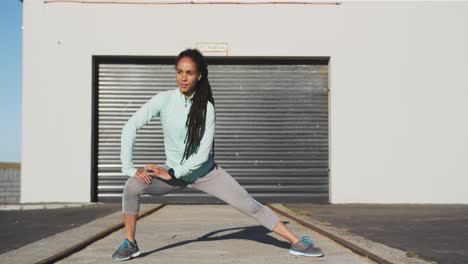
[[196, 117]]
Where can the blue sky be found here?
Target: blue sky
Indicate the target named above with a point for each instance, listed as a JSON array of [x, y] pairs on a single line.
[[11, 35]]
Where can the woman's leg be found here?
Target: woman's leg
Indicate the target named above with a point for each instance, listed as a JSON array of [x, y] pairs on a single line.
[[131, 206], [282, 230], [222, 185], [133, 189], [130, 226]]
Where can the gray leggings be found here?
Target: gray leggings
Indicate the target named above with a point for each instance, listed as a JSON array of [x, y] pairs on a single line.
[[217, 182]]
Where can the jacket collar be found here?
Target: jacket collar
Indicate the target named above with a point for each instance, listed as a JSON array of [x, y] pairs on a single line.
[[182, 96]]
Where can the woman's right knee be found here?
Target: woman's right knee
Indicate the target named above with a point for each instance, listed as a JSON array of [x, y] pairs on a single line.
[[132, 187]]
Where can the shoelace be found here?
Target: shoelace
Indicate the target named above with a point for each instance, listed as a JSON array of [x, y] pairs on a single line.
[[307, 240]]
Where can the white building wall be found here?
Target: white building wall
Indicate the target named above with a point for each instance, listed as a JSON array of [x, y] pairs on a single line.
[[398, 86]]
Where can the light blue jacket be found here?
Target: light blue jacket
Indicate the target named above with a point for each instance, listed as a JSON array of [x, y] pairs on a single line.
[[172, 108]]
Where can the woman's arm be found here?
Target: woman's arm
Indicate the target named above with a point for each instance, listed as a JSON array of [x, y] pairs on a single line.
[[196, 160], [141, 117]]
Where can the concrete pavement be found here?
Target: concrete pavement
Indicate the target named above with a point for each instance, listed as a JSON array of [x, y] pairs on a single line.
[[50, 248], [210, 234], [204, 234], [181, 234], [23, 224], [435, 232]]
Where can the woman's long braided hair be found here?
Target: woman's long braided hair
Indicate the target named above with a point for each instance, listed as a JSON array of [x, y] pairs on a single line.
[[197, 115]]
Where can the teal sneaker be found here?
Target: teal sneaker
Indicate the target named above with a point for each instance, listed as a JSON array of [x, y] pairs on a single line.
[[126, 251], [305, 247]]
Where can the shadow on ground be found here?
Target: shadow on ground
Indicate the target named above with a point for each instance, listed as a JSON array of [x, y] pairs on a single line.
[[256, 233]]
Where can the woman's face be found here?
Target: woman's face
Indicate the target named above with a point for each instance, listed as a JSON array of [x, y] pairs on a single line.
[[187, 75]]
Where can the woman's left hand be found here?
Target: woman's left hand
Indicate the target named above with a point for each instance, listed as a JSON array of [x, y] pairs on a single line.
[[158, 171]]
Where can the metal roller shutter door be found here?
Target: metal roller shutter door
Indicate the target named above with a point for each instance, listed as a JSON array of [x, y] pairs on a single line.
[[271, 126]]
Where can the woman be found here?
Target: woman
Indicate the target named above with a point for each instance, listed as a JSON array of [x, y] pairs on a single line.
[[187, 115]]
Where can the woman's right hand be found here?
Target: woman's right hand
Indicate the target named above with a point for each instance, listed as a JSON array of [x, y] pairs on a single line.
[[143, 176]]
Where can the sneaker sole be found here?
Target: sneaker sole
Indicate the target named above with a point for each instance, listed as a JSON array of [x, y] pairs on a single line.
[[136, 254], [297, 253]]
